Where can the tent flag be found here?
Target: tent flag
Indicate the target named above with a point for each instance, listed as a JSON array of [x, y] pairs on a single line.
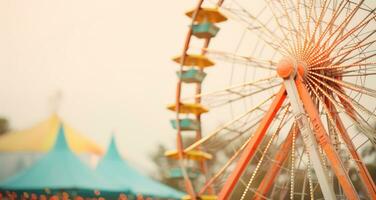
[[59, 169], [114, 168]]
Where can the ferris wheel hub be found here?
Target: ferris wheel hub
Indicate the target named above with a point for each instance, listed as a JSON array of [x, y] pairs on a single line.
[[288, 67]]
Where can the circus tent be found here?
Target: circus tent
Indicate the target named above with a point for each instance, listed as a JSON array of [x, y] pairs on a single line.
[[114, 168], [20, 149], [59, 170]]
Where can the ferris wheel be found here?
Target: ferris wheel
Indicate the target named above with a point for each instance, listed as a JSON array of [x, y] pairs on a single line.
[[291, 104]]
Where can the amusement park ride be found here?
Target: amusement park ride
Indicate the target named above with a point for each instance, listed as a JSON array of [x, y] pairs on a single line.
[[315, 100]]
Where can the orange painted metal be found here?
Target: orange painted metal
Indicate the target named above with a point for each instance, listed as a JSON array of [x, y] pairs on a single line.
[[363, 172], [279, 159], [348, 107], [187, 182], [203, 164], [324, 141], [179, 144], [251, 148]]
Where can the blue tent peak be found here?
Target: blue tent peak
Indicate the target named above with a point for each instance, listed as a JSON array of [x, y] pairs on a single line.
[[112, 152], [61, 142], [114, 168]]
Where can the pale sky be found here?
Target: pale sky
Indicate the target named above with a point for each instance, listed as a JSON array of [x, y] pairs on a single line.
[[110, 59]]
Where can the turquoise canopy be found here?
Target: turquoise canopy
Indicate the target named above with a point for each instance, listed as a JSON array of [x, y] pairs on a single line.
[[114, 168], [59, 170]]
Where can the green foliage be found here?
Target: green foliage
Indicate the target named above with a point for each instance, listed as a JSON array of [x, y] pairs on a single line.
[[4, 125]]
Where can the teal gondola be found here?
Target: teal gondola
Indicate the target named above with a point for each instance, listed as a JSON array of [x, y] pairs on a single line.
[[191, 76], [186, 124], [205, 30], [177, 173]]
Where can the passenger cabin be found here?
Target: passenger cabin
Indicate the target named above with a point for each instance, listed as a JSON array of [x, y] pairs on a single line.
[[205, 30], [177, 173], [186, 124], [191, 76], [204, 23]]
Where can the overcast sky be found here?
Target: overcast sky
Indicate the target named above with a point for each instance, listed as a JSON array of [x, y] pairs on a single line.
[[110, 59]]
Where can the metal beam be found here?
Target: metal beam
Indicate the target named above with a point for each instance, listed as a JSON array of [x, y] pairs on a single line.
[[324, 141], [251, 148]]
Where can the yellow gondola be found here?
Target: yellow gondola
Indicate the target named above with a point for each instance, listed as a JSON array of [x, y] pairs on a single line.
[[207, 15], [195, 61], [189, 108], [190, 155], [202, 197]]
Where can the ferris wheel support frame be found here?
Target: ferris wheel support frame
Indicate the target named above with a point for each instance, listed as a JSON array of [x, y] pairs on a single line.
[[309, 140], [320, 135], [252, 146]]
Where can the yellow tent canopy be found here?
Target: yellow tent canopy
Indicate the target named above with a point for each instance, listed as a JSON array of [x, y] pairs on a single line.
[[41, 137]]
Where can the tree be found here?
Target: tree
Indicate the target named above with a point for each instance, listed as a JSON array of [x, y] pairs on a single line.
[[4, 125]]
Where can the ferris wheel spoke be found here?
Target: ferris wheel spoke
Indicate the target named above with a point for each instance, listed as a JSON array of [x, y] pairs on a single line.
[[226, 125], [338, 39], [330, 25], [342, 67], [318, 62], [353, 114], [237, 92], [238, 97], [307, 41], [253, 24], [230, 135], [367, 55], [345, 55], [251, 124], [358, 45], [281, 27], [370, 71], [318, 22], [248, 60], [341, 28], [343, 97], [361, 89], [223, 169], [310, 46], [360, 69], [300, 29], [296, 36]]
